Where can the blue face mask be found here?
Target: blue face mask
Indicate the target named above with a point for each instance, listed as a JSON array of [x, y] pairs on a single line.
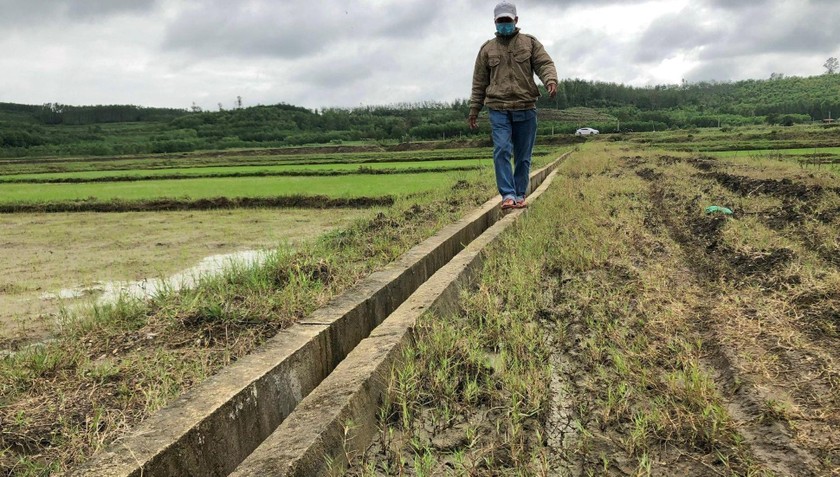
[[505, 29]]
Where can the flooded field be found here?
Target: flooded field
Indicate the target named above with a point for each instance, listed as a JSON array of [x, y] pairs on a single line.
[[52, 261]]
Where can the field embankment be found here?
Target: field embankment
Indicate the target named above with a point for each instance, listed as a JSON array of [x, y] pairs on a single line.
[[203, 182]]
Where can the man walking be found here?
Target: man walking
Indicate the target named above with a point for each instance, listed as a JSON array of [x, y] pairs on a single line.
[[503, 80]]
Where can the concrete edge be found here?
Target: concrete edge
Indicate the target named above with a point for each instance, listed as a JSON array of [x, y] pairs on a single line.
[[339, 418], [212, 428]]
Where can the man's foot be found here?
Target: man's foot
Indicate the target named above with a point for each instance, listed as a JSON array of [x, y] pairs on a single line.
[[519, 204], [508, 204]]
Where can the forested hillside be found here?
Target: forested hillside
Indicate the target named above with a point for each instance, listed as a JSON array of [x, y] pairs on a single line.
[[54, 129], [813, 96]]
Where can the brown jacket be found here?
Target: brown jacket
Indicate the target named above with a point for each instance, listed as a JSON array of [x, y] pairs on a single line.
[[504, 73]]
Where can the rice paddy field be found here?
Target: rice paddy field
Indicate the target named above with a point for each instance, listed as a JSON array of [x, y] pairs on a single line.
[[619, 330], [335, 168], [191, 178], [76, 223], [364, 185]]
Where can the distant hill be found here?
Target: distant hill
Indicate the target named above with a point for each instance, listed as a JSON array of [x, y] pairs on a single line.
[[576, 115], [54, 113], [814, 96]]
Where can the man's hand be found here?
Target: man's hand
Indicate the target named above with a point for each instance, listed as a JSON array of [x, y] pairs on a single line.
[[473, 122], [552, 89]]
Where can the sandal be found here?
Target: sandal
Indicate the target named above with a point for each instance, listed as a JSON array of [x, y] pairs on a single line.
[[520, 204], [508, 204]]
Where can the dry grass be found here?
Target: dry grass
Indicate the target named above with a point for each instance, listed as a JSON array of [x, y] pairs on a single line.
[[679, 343]]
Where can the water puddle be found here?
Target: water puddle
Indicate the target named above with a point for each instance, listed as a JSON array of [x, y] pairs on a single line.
[[110, 292]]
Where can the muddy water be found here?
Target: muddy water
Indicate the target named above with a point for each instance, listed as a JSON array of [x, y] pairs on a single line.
[[41, 254], [110, 292]]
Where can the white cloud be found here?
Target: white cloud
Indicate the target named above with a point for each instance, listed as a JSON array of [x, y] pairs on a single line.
[[331, 53]]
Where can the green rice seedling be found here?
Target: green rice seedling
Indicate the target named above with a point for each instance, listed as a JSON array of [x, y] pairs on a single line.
[[644, 468], [472, 391], [32, 467], [619, 362], [100, 371], [334, 469], [424, 463], [123, 314], [336, 187], [615, 403], [98, 422], [346, 446], [646, 424], [406, 388], [459, 463], [369, 470], [43, 361], [715, 422], [774, 410]]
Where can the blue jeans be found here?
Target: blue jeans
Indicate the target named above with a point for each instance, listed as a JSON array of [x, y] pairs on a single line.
[[514, 133]]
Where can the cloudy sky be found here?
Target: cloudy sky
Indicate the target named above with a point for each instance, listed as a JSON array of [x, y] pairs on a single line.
[[317, 53]]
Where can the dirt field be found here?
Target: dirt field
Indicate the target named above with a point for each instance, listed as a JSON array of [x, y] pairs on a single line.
[[680, 342], [728, 320], [45, 253]]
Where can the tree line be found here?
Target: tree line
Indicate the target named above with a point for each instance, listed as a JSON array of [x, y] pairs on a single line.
[[123, 129]]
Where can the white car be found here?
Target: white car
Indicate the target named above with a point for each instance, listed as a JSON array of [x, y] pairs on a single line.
[[585, 132]]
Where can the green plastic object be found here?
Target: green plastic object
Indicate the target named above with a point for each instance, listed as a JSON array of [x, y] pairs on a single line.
[[715, 208]]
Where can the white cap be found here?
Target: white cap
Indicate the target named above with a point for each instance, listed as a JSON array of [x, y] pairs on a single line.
[[505, 9]]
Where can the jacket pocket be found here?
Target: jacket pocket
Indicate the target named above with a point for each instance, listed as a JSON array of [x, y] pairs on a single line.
[[522, 56], [493, 63], [524, 75]]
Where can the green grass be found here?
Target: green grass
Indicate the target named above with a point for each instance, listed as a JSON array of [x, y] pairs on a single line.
[[332, 186], [779, 152], [744, 138], [481, 375], [238, 158], [827, 158], [254, 170], [253, 157]]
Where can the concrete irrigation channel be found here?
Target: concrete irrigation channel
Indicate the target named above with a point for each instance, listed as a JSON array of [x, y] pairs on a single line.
[[284, 409]]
